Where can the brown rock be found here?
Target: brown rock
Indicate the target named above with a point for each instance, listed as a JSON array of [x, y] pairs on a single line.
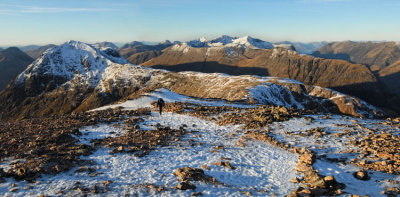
[[196, 174], [224, 164], [186, 185], [329, 179], [361, 175], [106, 183], [21, 172], [120, 149], [197, 194]]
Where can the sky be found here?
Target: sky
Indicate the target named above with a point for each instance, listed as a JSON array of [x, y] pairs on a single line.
[[25, 22]]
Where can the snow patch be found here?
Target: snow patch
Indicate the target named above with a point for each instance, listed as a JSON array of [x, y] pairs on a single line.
[[169, 97], [272, 94]]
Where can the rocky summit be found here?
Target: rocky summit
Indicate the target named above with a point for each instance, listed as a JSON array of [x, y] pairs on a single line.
[[81, 120]]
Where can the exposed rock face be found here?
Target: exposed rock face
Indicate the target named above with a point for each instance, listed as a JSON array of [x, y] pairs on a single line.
[[12, 62], [79, 77]]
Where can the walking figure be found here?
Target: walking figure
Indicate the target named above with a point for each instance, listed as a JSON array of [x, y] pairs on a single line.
[[160, 104]]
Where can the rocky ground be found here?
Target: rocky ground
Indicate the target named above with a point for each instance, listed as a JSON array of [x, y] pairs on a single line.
[[207, 147]]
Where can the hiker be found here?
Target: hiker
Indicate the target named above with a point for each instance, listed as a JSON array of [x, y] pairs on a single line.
[[160, 104]]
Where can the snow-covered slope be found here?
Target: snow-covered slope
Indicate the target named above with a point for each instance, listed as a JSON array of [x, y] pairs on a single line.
[[73, 59], [261, 169]]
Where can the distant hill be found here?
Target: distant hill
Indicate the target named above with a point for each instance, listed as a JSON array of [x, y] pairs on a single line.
[[36, 52], [140, 58], [305, 48], [29, 47], [138, 52], [104, 45], [12, 62], [377, 55]]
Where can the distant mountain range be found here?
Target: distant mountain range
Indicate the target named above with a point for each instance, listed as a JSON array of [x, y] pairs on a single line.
[[246, 55], [78, 77], [370, 70]]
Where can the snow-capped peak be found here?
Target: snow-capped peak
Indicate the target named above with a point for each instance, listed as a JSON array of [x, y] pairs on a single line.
[[165, 42], [224, 39], [71, 59], [253, 42], [228, 41], [201, 42]]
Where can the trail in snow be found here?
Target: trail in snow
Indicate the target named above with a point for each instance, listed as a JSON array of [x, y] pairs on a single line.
[[259, 165], [168, 97]]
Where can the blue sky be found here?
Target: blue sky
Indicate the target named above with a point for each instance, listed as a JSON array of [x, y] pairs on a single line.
[[25, 22]]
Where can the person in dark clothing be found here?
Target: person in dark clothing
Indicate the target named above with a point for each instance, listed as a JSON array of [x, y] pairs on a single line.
[[160, 104]]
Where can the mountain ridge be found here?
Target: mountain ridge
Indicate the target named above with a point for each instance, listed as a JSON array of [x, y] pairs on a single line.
[[78, 77]]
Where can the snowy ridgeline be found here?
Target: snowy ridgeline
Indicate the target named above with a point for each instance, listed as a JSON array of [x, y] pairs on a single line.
[[259, 166]]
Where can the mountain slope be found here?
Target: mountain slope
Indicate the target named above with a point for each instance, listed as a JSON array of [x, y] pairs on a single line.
[[36, 52], [78, 77], [390, 76], [381, 57], [340, 75], [12, 62], [378, 54]]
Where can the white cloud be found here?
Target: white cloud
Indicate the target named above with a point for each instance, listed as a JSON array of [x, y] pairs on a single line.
[[15, 10], [58, 10]]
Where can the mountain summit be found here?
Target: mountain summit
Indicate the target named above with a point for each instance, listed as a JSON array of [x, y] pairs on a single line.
[[72, 60], [228, 41]]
